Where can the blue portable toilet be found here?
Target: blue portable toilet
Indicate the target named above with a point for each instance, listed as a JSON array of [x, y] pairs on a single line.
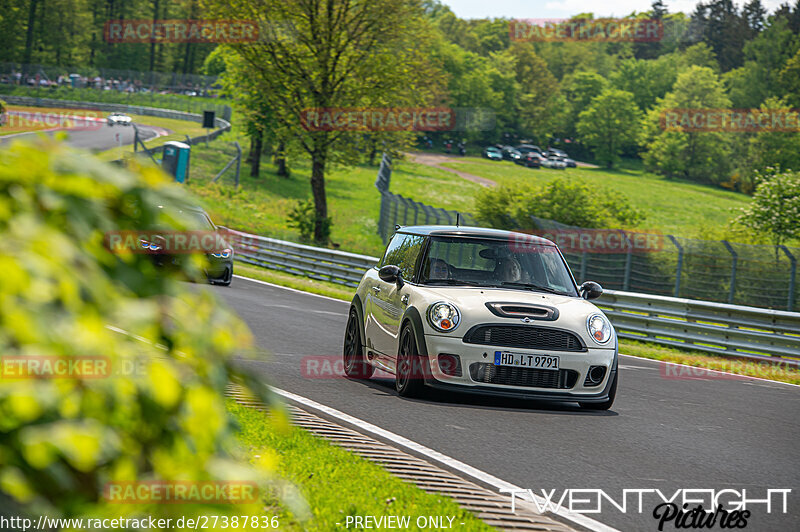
[[175, 160]]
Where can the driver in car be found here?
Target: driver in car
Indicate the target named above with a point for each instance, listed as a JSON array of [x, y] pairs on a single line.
[[438, 270], [508, 269]]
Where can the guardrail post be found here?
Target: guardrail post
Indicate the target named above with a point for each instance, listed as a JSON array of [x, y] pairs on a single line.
[[395, 211], [626, 282], [792, 275], [679, 268], [734, 260], [584, 260], [238, 161], [383, 214]]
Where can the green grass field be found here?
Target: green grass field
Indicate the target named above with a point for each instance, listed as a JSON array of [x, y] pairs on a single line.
[[334, 482], [676, 207]]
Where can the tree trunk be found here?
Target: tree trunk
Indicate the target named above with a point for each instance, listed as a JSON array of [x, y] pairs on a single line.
[[318, 191], [153, 41], [373, 151], [280, 160], [255, 153], [26, 58]]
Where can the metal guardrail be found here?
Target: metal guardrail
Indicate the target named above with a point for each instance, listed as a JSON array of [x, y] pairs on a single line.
[[719, 328], [310, 261]]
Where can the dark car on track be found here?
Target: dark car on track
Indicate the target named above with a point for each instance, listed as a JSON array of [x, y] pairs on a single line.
[[167, 251]]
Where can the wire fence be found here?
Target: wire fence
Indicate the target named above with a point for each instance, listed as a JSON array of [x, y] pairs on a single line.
[[721, 271], [105, 78]]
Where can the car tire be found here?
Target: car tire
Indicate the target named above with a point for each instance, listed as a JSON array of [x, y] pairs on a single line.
[[355, 365], [605, 405], [409, 374]]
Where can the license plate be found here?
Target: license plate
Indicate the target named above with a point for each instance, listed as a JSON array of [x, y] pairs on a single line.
[[522, 360]]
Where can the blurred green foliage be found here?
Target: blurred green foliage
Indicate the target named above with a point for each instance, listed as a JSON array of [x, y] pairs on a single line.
[[160, 413]]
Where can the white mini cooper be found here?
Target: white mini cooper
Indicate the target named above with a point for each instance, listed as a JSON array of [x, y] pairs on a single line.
[[481, 311]]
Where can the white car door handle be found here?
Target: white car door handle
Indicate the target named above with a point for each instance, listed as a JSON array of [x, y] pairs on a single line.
[[377, 289]]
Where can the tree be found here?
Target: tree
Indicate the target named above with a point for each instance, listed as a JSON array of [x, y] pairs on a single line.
[[154, 408], [754, 15], [610, 124], [646, 80], [579, 89], [765, 58], [538, 91], [699, 156], [332, 54], [770, 149], [775, 209], [723, 29]]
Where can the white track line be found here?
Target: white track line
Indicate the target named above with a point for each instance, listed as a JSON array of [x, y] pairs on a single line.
[[290, 289], [737, 375], [452, 463]]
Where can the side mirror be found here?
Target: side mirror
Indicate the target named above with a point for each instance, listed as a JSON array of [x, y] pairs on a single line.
[[591, 290], [391, 274]]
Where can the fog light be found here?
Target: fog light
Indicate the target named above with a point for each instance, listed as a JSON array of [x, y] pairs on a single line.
[[595, 375], [450, 364]]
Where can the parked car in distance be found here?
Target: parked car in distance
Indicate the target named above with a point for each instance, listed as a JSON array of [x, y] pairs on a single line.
[[553, 152], [532, 160], [492, 153], [526, 148], [119, 119], [467, 309], [556, 163], [511, 154]]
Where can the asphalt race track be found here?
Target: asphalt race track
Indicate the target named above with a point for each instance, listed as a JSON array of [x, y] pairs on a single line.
[[100, 138], [664, 433]]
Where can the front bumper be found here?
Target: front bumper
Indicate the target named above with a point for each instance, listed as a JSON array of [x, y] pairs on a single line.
[[470, 354]]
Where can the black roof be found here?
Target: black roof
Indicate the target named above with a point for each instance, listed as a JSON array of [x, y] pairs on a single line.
[[475, 232]]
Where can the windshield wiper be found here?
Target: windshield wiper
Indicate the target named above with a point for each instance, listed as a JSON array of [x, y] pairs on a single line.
[[451, 282], [532, 286]]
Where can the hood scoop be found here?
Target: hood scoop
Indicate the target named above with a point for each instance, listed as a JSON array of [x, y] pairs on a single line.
[[523, 310]]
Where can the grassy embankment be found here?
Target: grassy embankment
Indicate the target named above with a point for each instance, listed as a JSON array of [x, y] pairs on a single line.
[[335, 483]]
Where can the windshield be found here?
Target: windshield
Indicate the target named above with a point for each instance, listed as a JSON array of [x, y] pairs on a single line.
[[496, 263], [190, 219]]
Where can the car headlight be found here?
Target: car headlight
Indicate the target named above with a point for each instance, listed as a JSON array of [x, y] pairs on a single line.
[[152, 246], [224, 254], [443, 316], [599, 328]]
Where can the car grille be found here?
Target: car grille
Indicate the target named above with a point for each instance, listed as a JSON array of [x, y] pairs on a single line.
[[525, 337], [529, 377]]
